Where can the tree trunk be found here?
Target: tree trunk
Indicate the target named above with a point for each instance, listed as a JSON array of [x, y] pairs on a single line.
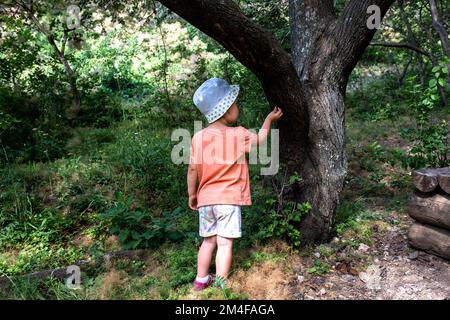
[[325, 165]]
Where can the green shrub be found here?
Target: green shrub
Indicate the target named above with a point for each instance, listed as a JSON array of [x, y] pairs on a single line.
[[430, 144], [136, 228]]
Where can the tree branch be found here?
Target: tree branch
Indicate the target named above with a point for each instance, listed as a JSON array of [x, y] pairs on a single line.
[[223, 21], [308, 19], [352, 34], [439, 28], [400, 45]]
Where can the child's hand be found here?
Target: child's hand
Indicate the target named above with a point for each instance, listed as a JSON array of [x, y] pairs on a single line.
[[276, 114], [193, 202]]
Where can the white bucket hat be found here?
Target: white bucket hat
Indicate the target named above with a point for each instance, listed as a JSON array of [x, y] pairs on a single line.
[[214, 97]]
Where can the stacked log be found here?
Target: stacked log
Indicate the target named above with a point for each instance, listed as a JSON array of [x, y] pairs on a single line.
[[429, 206]]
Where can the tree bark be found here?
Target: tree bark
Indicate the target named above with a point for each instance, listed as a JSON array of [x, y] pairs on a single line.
[[309, 85], [332, 46]]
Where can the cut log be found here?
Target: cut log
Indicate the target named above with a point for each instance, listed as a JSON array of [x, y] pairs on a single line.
[[426, 180], [428, 208], [444, 180], [430, 239]]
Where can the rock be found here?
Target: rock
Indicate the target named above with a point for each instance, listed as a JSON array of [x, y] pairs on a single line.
[[430, 239], [349, 278], [413, 255], [363, 247], [372, 277], [318, 281]]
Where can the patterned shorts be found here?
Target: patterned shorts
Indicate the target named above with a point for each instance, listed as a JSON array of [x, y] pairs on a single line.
[[220, 219]]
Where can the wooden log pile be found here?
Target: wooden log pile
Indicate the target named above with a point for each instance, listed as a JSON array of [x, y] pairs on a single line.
[[429, 206]]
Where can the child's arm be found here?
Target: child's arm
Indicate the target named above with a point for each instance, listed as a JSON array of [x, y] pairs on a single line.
[[275, 115], [192, 186]]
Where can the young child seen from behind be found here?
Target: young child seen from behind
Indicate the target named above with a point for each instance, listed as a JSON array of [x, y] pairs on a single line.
[[218, 163]]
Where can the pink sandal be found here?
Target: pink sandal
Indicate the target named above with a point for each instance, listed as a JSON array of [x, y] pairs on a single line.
[[200, 285]]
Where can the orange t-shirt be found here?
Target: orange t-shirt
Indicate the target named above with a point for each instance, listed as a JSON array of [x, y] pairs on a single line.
[[219, 154]]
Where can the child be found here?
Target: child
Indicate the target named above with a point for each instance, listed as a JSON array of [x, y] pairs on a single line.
[[219, 164]]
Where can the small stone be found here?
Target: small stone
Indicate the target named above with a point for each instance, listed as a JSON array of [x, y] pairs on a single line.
[[413, 255], [349, 278], [318, 281], [372, 277], [363, 247]]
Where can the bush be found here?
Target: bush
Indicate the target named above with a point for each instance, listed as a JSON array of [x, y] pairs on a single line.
[[430, 144], [136, 228]]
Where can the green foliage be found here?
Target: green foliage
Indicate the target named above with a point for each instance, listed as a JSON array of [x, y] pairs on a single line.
[[136, 228], [284, 223], [319, 267], [383, 103], [352, 217], [430, 144]]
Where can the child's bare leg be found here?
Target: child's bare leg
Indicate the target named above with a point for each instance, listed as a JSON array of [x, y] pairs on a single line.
[[223, 256], [204, 256]]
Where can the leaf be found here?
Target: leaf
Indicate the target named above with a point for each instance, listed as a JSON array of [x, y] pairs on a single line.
[[174, 236], [432, 83], [148, 235], [134, 244], [123, 235], [135, 235]]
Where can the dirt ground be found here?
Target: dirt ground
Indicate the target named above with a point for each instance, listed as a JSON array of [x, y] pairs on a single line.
[[397, 272]]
